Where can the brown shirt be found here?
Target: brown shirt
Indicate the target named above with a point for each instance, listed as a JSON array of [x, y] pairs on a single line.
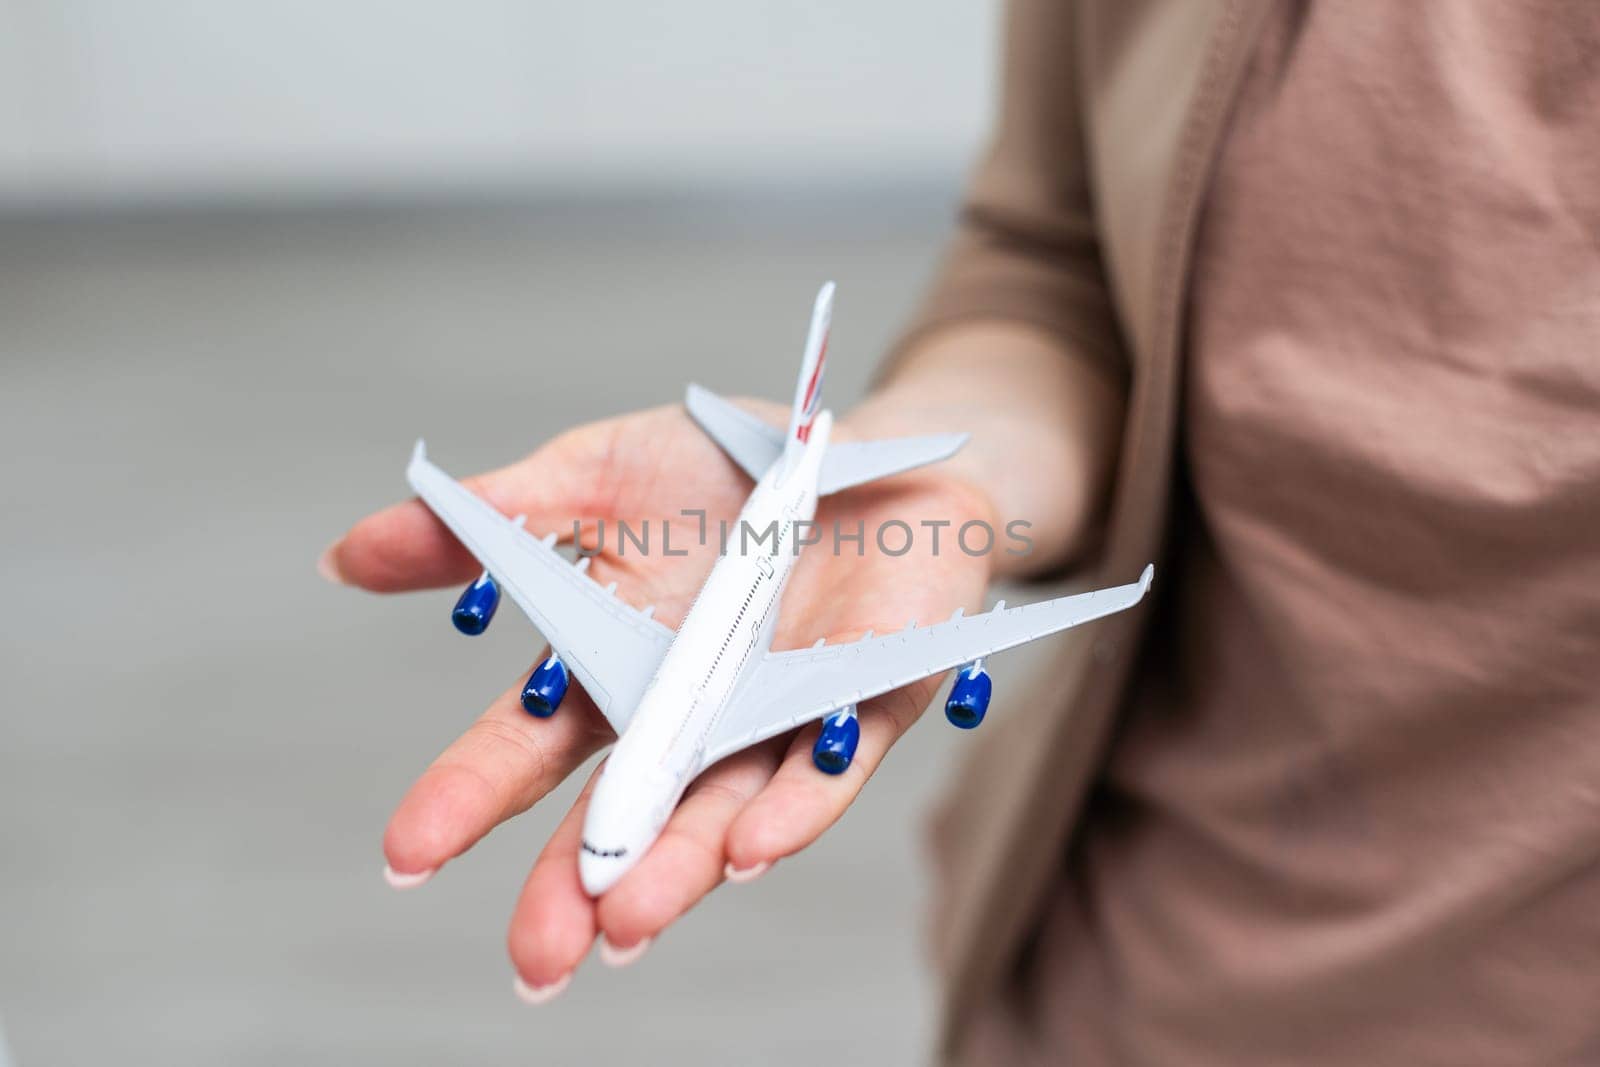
[[1353, 814]]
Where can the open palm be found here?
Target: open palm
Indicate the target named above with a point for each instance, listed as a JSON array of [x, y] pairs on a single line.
[[656, 468]]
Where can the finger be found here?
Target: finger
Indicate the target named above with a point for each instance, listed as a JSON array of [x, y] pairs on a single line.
[[553, 924], [504, 762], [400, 548], [801, 802], [687, 860]]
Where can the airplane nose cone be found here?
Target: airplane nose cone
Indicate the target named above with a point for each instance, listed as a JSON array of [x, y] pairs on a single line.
[[599, 872]]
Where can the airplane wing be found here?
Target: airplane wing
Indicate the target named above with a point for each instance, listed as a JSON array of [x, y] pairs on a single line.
[[611, 648], [789, 689]]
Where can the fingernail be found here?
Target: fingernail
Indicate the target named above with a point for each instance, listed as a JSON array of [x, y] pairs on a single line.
[[744, 874], [612, 956], [539, 994], [407, 881], [328, 567]]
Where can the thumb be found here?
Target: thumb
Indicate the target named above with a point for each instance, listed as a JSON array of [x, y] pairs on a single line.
[[405, 547]]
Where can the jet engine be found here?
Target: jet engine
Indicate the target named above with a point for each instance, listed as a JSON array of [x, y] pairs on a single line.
[[546, 686], [475, 610], [969, 696], [836, 745]]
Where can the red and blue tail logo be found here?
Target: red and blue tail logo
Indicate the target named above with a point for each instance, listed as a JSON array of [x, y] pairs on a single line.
[[813, 397], [808, 390]]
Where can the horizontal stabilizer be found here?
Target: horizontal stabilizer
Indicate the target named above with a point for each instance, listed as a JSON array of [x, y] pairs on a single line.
[[748, 441], [856, 463]]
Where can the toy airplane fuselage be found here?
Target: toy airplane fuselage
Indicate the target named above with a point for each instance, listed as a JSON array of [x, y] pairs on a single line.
[[728, 629], [682, 701]]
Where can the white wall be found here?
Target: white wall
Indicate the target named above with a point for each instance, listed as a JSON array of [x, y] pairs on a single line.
[[112, 100]]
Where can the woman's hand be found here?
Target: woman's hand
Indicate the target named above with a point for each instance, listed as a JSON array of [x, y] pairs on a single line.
[[746, 812]]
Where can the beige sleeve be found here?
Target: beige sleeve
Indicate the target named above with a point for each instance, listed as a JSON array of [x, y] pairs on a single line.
[[1026, 247]]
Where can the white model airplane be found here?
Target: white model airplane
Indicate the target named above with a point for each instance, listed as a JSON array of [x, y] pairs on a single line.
[[681, 702]]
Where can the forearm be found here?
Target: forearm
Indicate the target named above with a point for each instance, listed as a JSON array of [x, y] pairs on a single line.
[[1045, 428]]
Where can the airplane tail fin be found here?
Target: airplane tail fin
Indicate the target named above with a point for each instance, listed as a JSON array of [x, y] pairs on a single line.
[[808, 389]]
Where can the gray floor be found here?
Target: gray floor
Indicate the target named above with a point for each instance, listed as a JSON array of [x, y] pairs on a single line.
[[200, 741]]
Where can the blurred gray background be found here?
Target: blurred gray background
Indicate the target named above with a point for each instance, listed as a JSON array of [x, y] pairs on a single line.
[[247, 254]]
